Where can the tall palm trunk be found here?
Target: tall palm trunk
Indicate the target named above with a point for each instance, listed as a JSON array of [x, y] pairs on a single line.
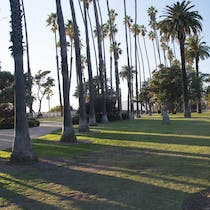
[[58, 75], [104, 49], [199, 109], [153, 45], [187, 113], [22, 147], [136, 66], [131, 115], [28, 61], [148, 64], [157, 45], [101, 65], [92, 117], [117, 79], [67, 131], [83, 125]]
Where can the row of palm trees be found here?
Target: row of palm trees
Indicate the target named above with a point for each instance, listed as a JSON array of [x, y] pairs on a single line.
[[178, 22]]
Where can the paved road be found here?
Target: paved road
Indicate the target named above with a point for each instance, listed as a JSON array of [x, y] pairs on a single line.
[[7, 135]]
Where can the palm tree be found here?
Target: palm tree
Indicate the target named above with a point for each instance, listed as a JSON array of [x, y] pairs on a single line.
[[180, 21], [197, 50], [28, 61], [51, 21], [67, 131], [128, 23], [153, 23], [101, 65], [92, 117], [125, 75], [130, 89], [22, 147], [83, 125], [115, 48]]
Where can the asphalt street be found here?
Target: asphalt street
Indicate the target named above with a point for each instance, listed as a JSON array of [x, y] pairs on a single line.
[[7, 135]]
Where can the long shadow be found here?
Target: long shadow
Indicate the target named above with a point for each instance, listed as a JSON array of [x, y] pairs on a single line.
[[16, 200], [105, 187], [98, 191], [152, 137]]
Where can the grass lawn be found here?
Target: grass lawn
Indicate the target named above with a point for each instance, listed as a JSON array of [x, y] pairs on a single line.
[[138, 164]]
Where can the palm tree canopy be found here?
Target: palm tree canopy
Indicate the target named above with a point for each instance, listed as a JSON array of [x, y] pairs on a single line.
[[197, 48], [126, 70], [179, 20], [52, 21], [69, 29]]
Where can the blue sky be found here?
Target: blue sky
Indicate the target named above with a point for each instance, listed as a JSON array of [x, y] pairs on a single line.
[[42, 47]]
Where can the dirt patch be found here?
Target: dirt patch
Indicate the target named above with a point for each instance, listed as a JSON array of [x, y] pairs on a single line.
[[198, 201]]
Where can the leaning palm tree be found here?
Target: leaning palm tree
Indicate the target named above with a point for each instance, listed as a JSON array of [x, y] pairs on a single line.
[[180, 21], [83, 125], [29, 77], [197, 49], [51, 21], [92, 117], [22, 147], [67, 131]]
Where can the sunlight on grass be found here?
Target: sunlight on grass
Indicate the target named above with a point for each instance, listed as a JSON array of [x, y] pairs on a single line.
[[5, 154], [118, 165]]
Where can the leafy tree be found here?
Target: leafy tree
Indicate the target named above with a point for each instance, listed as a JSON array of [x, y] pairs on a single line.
[[196, 50], [180, 21], [6, 87], [44, 83], [165, 86]]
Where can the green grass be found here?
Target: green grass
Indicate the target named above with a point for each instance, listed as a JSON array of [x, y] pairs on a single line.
[[139, 164]]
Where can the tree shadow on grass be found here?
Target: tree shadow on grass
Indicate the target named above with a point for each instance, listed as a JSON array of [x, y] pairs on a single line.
[[86, 189], [195, 140], [113, 177]]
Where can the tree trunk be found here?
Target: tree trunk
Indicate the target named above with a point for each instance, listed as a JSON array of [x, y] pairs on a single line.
[[92, 117], [199, 109], [136, 66], [187, 113], [22, 147], [101, 66], [58, 76], [28, 61], [130, 89], [67, 131], [83, 125], [148, 64], [117, 79]]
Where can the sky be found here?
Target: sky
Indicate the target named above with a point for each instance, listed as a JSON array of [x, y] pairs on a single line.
[[41, 39]]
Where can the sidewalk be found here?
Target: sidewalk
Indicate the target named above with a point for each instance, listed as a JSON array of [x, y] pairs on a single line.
[[7, 135]]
